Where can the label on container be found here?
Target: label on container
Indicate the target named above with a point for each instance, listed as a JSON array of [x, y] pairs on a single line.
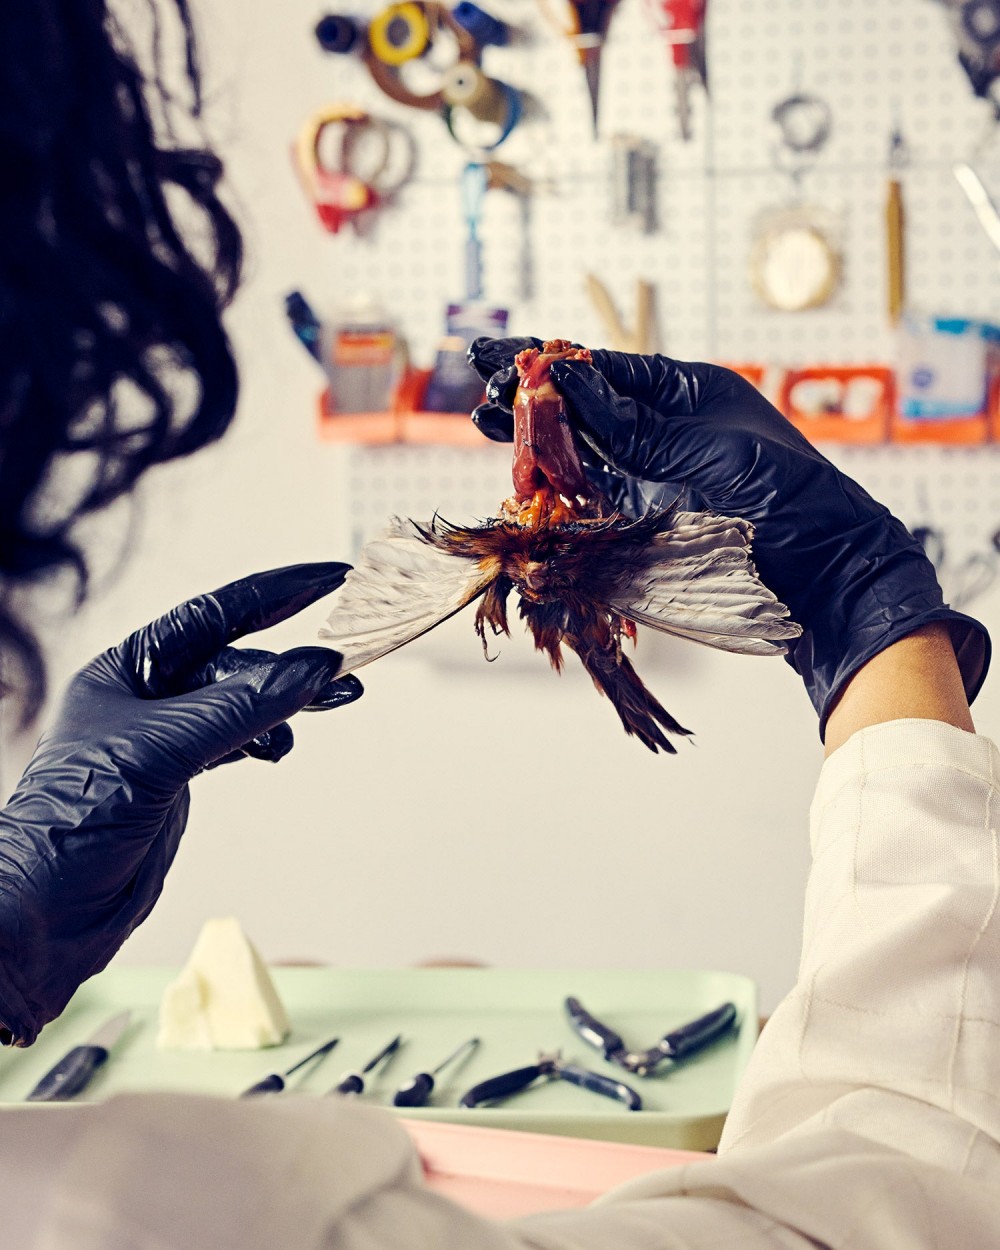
[[363, 347]]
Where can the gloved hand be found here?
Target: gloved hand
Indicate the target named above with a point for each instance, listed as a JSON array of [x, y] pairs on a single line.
[[654, 429], [92, 828]]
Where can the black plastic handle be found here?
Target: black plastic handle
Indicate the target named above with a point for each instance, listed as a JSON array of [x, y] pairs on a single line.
[[598, 1084], [502, 1086], [691, 1037], [415, 1092], [70, 1075], [592, 1030], [350, 1084], [272, 1084]]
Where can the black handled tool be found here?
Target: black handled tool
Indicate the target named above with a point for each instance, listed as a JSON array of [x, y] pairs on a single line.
[[418, 1089], [354, 1082], [552, 1068], [678, 1044], [274, 1082], [73, 1071]]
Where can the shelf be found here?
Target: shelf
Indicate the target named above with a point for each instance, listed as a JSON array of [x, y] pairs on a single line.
[[404, 423]]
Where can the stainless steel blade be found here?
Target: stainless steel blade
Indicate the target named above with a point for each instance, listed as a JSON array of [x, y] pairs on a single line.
[[110, 1031]]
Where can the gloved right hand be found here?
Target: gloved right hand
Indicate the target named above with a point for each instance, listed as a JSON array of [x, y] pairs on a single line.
[[659, 429]]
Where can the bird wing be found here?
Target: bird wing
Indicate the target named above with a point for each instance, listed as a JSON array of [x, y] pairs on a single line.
[[400, 588], [699, 582]]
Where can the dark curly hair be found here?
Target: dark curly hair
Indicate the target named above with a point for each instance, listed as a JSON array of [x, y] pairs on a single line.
[[116, 260]]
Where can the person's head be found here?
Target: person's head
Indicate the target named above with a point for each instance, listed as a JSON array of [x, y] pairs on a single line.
[[116, 260]]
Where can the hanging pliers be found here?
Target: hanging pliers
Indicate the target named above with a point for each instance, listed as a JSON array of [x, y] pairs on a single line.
[[550, 1067], [677, 1044]]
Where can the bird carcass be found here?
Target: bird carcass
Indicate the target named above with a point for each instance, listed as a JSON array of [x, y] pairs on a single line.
[[585, 575]]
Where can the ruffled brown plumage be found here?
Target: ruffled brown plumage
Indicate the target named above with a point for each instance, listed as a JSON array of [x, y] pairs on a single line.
[[584, 574], [567, 574]]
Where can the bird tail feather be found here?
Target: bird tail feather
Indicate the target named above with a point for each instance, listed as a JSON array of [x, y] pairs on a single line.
[[640, 712]]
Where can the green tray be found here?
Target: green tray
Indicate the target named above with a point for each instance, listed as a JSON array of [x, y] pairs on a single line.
[[515, 1013]]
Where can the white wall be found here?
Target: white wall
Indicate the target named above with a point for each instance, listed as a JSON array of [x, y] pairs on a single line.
[[460, 809]]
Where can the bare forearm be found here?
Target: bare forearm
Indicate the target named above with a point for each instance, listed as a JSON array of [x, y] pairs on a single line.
[[916, 678]]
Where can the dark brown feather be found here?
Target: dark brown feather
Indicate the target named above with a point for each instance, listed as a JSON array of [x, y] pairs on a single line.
[[566, 576]]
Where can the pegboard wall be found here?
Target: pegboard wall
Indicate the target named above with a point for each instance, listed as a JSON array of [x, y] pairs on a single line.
[[877, 63]]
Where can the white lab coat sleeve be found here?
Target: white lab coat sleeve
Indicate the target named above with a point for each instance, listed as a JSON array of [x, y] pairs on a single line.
[[868, 1119], [168, 1172]]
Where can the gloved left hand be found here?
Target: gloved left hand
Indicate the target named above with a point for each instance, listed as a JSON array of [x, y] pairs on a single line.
[[91, 830]]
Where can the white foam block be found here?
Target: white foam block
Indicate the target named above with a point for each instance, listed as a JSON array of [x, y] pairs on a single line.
[[224, 998]]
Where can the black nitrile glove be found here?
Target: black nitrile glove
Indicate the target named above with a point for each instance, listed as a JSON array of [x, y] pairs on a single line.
[[849, 571], [92, 828]]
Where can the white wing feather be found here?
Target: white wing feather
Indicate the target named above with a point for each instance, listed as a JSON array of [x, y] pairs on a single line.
[[400, 588], [701, 584]]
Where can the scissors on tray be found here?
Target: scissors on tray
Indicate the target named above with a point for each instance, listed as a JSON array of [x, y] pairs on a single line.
[[678, 1044]]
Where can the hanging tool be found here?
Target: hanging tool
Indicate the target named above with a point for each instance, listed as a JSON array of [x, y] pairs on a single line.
[[354, 1082], [74, 1070], [593, 17], [976, 27], [475, 182], [550, 1067], [403, 33], [678, 1044], [503, 177], [399, 33], [275, 1082], [622, 338], [633, 183], [682, 24], [350, 163], [340, 33], [966, 580], [803, 123], [895, 225], [981, 201], [795, 261], [587, 31], [418, 1089], [480, 112], [482, 26]]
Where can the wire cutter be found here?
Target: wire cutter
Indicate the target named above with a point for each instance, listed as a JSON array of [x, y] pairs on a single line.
[[549, 1067], [677, 1044]]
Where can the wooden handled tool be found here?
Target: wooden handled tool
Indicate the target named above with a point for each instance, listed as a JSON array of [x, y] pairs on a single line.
[[622, 338], [895, 227]]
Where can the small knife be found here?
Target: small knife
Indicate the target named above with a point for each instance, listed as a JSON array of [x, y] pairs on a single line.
[[73, 1071], [677, 1044]]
